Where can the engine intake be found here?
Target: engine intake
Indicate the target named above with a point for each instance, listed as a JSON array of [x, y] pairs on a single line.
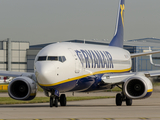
[[22, 88], [136, 87]]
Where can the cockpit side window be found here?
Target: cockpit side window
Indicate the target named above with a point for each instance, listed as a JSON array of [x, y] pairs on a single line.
[[42, 58], [60, 59], [63, 58]]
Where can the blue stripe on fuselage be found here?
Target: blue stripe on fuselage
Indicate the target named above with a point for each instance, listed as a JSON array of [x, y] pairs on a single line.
[[77, 85], [89, 83]]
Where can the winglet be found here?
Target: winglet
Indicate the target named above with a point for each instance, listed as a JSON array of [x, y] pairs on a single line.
[[118, 36]]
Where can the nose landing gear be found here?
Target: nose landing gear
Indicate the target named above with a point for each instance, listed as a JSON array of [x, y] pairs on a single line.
[[54, 99]]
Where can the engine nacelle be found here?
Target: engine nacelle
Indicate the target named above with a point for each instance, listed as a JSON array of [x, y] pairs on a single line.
[[137, 87], [22, 88]]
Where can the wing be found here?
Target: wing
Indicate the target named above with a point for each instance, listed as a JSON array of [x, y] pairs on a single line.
[[136, 85], [17, 74], [10, 73], [14, 74], [122, 77], [143, 54]]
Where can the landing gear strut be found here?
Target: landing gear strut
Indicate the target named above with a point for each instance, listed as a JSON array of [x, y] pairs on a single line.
[[120, 97]]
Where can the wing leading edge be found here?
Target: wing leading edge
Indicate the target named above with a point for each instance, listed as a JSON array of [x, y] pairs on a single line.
[[133, 55], [17, 74], [121, 77]]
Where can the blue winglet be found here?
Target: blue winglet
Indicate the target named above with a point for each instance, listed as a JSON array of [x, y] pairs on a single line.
[[118, 36]]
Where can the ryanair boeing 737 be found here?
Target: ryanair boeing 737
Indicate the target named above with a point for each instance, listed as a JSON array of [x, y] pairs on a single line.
[[63, 67]]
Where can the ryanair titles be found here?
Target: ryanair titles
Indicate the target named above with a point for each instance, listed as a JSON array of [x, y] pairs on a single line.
[[95, 59]]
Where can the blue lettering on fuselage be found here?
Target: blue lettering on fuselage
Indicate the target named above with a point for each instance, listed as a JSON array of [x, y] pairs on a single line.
[[95, 58]]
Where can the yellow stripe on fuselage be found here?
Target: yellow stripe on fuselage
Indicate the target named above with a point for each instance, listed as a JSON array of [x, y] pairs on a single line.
[[79, 77]]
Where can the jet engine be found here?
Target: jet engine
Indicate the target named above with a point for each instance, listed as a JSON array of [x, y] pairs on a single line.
[[137, 87], [22, 88]]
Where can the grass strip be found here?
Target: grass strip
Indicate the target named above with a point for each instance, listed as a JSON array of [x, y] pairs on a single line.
[[156, 83], [8, 100]]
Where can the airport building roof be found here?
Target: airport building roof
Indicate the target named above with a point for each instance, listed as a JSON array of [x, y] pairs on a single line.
[[153, 42], [143, 42]]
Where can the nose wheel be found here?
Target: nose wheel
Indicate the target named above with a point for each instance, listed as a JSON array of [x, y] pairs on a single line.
[[53, 101]]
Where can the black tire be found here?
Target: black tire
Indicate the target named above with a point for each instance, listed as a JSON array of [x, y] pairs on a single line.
[[51, 101], [56, 102], [63, 100], [118, 99], [128, 101]]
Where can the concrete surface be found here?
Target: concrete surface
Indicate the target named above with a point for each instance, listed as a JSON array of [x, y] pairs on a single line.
[[103, 109]]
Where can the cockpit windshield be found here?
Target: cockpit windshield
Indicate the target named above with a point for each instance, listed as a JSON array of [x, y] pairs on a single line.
[[55, 58], [52, 58]]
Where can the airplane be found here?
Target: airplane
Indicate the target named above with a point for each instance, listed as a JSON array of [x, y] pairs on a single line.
[[63, 67]]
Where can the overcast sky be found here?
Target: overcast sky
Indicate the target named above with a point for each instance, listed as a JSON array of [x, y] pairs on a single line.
[[43, 21]]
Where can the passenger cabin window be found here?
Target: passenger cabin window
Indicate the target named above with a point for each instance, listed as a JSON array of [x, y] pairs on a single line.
[[42, 58]]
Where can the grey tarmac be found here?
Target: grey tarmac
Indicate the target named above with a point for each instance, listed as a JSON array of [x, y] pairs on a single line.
[[102, 109]]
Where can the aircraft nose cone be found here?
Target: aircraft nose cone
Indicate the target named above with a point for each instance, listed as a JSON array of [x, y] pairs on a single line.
[[44, 73]]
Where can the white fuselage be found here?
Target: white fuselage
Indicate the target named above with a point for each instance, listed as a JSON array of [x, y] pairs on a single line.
[[62, 63]]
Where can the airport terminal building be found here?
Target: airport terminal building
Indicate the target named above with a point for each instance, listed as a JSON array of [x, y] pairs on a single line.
[[13, 55], [19, 55]]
